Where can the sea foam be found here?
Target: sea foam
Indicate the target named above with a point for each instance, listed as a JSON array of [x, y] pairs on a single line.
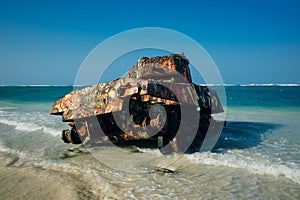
[[254, 165], [29, 122]]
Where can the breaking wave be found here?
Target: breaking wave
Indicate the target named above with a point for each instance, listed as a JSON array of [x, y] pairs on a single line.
[[29, 122], [256, 165]]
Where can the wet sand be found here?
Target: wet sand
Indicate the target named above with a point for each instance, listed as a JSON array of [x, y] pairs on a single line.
[[21, 181]]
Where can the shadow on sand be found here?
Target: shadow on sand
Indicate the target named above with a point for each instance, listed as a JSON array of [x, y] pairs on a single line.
[[242, 135]]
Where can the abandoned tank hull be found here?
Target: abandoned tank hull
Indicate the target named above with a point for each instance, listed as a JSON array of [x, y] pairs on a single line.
[[154, 105]]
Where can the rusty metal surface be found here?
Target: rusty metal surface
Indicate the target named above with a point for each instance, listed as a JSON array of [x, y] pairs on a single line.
[[162, 67], [164, 80], [109, 97]]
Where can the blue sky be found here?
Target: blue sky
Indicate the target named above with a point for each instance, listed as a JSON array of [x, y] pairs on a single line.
[[250, 41]]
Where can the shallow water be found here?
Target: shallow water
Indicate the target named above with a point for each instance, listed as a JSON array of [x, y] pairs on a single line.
[[256, 157]]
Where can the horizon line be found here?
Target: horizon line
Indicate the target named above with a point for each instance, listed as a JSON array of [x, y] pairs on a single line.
[[225, 84]]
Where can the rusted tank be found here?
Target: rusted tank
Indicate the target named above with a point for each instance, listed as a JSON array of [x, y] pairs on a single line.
[[155, 105]]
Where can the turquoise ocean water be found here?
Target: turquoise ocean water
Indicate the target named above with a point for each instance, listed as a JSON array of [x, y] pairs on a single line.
[[257, 155]]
